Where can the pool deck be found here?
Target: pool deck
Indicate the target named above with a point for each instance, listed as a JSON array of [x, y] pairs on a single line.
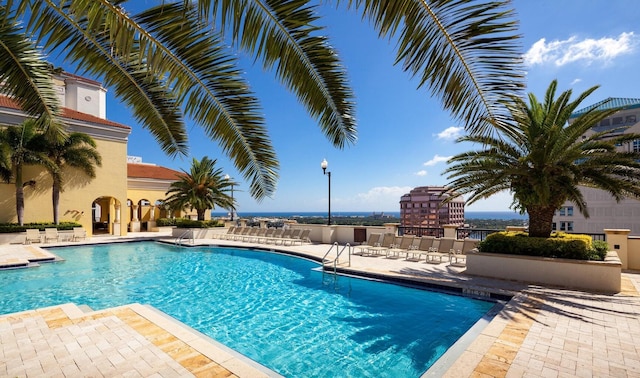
[[540, 331]]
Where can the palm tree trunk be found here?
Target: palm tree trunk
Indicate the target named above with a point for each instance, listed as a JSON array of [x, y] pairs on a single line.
[[55, 200], [200, 214], [19, 196], [540, 220]]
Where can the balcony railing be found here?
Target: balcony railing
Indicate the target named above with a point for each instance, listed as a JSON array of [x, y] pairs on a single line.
[[421, 231]]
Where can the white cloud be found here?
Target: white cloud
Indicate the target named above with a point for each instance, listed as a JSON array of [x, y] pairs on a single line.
[[381, 198], [450, 133], [436, 159], [575, 81], [421, 173], [586, 50]]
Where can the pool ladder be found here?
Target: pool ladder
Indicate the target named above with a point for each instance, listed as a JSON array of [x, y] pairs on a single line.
[[184, 235], [339, 251]]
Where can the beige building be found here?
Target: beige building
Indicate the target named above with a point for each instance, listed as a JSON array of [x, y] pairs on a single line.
[[423, 207], [604, 211], [124, 196]]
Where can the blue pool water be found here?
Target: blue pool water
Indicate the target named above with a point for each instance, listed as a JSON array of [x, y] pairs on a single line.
[[272, 308]]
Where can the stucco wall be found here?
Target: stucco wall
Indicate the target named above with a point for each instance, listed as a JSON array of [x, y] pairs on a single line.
[[79, 190], [588, 275]]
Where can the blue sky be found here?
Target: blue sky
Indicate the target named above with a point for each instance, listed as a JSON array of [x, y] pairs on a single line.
[[404, 136]]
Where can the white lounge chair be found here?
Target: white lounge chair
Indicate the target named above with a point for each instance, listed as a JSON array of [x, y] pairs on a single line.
[[387, 241], [33, 236], [372, 241], [51, 234], [229, 232], [79, 233], [443, 250], [459, 255], [425, 245], [403, 244]]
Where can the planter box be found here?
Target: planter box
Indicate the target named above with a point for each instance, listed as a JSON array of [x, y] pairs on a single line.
[[602, 276]]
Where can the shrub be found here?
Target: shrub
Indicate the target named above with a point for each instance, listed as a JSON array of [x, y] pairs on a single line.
[[189, 223], [163, 222], [559, 245], [15, 227]]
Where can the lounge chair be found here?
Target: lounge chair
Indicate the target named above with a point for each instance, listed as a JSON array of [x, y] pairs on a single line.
[[293, 237], [232, 235], [33, 236], [267, 235], [459, 255], [444, 250], [230, 231], [261, 232], [425, 245], [304, 236], [286, 234], [372, 241], [387, 241], [403, 244], [277, 235], [253, 231], [240, 235], [51, 234], [79, 233]]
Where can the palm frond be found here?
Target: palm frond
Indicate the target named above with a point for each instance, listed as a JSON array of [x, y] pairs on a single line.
[[283, 35], [25, 75], [466, 52]]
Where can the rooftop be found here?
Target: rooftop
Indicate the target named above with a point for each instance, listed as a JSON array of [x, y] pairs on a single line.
[[152, 171], [610, 103]]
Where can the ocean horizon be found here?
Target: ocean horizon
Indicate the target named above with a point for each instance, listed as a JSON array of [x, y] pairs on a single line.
[[502, 215]]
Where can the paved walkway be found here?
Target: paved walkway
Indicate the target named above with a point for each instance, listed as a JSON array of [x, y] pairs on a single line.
[[540, 332]]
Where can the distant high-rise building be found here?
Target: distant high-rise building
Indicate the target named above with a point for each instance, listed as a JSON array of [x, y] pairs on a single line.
[[423, 207], [604, 211]]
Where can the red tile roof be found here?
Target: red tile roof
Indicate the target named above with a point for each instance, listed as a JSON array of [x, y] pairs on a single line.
[[152, 171], [6, 102]]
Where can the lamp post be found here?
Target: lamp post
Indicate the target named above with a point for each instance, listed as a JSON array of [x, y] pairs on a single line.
[[324, 166], [227, 177]]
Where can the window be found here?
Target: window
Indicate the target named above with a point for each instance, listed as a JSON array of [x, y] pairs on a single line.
[[563, 226], [569, 211], [636, 145], [553, 226], [617, 121], [630, 119], [562, 211], [569, 226], [605, 122]]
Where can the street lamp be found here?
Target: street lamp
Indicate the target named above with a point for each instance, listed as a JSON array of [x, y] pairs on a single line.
[[227, 177], [324, 166]]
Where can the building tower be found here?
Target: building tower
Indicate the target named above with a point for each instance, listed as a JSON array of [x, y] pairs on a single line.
[[423, 207]]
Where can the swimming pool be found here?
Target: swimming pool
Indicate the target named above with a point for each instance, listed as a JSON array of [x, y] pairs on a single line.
[[273, 308]]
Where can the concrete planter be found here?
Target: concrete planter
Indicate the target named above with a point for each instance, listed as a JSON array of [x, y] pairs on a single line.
[[602, 276]]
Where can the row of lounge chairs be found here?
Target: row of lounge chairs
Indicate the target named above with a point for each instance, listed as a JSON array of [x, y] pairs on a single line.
[[434, 250], [33, 235], [289, 236]]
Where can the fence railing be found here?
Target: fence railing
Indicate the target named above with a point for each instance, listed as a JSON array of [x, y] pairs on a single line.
[[421, 231], [471, 233]]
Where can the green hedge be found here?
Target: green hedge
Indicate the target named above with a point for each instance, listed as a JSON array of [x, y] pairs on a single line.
[[6, 228], [187, 223], [559, 245]]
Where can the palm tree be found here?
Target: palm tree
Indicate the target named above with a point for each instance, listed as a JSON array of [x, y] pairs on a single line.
[[542, 159], [168, 64], [202, 188], [78, 150], [17, 150]]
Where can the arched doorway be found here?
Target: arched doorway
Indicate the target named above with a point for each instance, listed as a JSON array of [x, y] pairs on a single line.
[[105, 216]]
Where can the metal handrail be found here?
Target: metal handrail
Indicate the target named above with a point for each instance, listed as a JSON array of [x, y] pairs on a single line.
[[338, 253], [179, 238]]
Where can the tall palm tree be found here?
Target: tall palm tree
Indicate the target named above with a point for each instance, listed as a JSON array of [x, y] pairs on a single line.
[[78, 150], [202, 188], [172, 61], [17, 150], [542, 159]]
